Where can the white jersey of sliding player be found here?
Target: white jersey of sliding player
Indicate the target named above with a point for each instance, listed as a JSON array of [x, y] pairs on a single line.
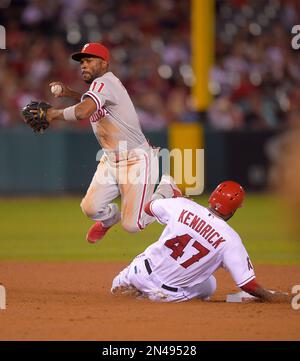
[[115, 119], [199, 242]]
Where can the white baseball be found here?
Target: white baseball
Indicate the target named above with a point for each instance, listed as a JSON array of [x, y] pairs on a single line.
[[56, 89]]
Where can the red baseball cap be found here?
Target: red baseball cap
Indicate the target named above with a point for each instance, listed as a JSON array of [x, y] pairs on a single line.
[[94, 49]]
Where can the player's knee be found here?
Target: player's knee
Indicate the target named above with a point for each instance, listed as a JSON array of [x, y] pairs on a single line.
[[211, 285], [130, 226], [115, 284], [88, 208]]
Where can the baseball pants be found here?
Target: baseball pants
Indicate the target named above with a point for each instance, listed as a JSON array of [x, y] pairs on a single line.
[[131, 174], [150, 286]]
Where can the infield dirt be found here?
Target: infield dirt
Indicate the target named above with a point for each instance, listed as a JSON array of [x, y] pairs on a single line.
[[72, 301]]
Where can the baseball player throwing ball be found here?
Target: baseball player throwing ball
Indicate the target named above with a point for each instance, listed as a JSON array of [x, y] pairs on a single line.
[[195, 243], [129, 166]]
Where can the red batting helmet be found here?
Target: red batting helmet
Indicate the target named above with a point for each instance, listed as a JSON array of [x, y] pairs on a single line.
[[227, 197]]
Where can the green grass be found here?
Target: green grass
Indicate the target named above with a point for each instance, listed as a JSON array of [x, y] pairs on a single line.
[[54, 229]]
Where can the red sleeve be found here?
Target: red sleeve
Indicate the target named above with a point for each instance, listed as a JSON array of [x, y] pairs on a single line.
[[147, 209], [250, 286]]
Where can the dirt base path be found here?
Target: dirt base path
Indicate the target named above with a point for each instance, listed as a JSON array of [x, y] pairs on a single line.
[[71, 301]]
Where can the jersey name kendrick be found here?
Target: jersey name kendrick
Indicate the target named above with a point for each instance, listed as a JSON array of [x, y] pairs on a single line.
[[203, 228]]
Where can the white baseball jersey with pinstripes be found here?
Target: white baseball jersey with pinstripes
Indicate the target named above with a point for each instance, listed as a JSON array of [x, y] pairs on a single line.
[[115, 119], [194, 244]]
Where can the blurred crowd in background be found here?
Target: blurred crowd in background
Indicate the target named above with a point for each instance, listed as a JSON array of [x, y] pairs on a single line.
[[255, 80]]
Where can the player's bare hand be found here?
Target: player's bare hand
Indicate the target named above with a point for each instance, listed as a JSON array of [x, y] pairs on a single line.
[[58, 89]]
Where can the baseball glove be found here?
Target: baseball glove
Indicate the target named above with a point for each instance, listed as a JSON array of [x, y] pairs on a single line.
[[35, 115]]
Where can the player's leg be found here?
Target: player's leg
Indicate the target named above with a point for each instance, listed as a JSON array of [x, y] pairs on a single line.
[[138, 177], [97, 202], [167, 188], [149, 285], [203, 290], [123, 282]]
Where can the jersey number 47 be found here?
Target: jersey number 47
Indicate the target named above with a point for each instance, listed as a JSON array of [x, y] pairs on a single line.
[[178, 244]]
